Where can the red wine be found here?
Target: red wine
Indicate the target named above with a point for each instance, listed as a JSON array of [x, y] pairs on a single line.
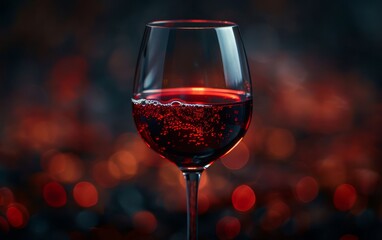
[[192, 127]]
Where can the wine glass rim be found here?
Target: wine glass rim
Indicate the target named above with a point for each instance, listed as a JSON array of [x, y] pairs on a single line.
[[191, 24]]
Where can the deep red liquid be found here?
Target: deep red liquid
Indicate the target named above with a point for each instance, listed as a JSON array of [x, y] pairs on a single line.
[[192, 127]]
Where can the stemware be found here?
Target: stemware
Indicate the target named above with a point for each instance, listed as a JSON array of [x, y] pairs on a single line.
[[192, 99]]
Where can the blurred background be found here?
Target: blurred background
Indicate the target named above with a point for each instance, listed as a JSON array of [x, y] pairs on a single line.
[[73, 167]]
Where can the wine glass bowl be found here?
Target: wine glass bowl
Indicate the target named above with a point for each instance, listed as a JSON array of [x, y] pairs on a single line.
[[192, 99], [192, 127]]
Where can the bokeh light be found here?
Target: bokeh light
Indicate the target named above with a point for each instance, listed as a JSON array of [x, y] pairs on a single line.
[[203, 202], [367, 180], [133, 143], [86, 219], [167, 174], [37, 130], [122, 165], [332, 171], [68, 78], [280, 143], [345, 196], [237, 158], [63, 167], [243, 198], [277, 213], [228, 227], [145, 221], [306, 189], [17, 215], [6, 196], [330, 111], [85, 194], [54, 194], [130, 200], [103, 176]]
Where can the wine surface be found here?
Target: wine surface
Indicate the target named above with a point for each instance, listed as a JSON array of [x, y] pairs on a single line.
[[192, 127]]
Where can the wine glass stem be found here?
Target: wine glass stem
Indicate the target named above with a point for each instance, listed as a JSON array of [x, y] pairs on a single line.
[[192, 182]]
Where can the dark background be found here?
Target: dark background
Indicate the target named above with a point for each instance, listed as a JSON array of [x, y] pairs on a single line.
[[73, 167]]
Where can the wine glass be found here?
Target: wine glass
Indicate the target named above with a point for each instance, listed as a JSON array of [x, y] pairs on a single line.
[[192, 99]]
